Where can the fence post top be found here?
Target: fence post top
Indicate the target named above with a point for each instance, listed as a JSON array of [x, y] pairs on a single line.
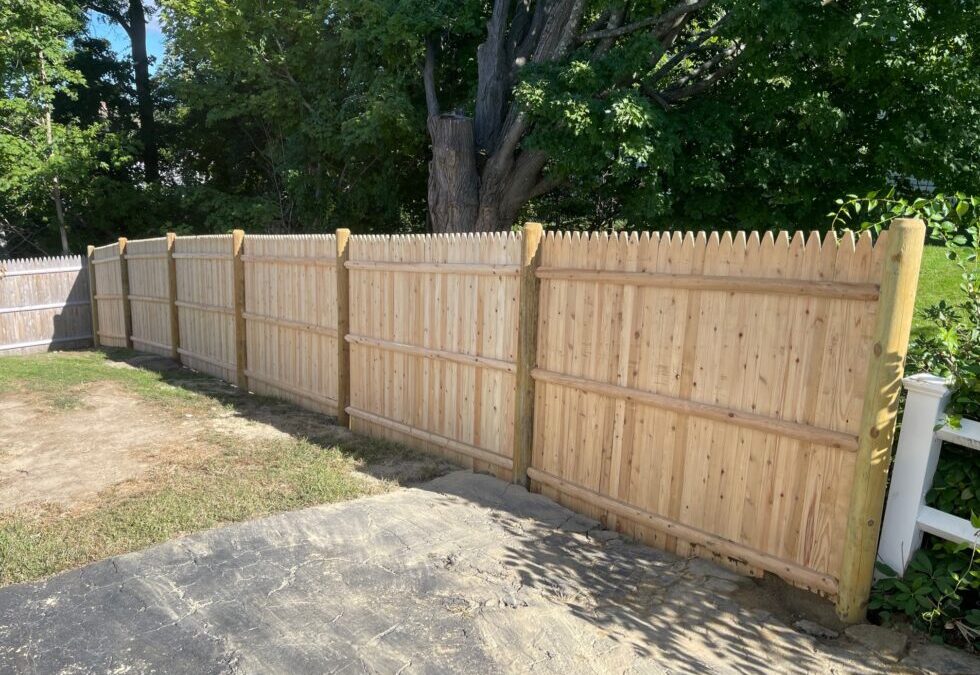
[[926, 383], [907, 224]]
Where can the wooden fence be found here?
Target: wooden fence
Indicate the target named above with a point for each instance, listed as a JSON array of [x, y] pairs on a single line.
[[729, 396], [44, 304]]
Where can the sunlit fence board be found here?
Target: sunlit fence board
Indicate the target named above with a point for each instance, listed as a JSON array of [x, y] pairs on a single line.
[[109, 295], [44, 304], [433, 338], [205, 304], [149, 294], [765, 455], [291, 318]]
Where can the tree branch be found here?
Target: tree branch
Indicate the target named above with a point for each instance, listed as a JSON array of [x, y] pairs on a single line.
[[612, 33], [429, 78], [545, 185], [682, 92], [696, 42], [679, 11], [112, 13]]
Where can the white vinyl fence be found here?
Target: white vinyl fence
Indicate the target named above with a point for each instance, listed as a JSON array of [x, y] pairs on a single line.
[[44, 304], [906, 515]]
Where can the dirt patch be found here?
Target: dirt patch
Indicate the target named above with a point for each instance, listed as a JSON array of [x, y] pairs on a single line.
[[63, 456]]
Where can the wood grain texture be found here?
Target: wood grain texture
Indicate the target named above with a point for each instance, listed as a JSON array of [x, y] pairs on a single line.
[[149, 295], [205, 304], [291, 318], [732, 409], [238, 301], [343, 326], [527, 345], [45, 303], [107, 265], [883, 385], [433, 320]]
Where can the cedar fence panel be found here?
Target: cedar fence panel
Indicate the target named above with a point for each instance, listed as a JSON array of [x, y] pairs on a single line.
[[107, 266], [44, 303], [149, 294], [705, 393], [205, 304], [433, 337], [291, 318]]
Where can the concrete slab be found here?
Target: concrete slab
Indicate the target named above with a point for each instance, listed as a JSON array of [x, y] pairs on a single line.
[[464, 574]]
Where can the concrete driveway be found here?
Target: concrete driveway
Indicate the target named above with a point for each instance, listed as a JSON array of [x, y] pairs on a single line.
[[464, 574]]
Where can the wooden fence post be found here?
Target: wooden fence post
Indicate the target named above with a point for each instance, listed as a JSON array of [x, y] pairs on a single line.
[[527, 343], [241, 349], [126, 306], [172, 297], [896, 302], [343, 327], [90, 251]]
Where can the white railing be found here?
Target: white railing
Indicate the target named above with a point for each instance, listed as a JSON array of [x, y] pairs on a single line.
[[906, 515]]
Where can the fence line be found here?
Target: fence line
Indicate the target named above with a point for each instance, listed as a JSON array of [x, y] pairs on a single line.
[[44, 302], [731, 396]]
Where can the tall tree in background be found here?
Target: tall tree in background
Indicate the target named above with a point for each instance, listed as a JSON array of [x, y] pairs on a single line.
[[482, 174], [131, 16], [33, 66], [641, 110]]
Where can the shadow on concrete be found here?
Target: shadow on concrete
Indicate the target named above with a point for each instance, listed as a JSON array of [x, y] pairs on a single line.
[[686, 615]]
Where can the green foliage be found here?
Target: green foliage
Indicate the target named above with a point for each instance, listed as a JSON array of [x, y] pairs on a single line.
[[277, 111], [826, 96], [940, 591]]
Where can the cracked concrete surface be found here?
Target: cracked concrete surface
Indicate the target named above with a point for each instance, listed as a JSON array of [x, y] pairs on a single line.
[[463, 574]]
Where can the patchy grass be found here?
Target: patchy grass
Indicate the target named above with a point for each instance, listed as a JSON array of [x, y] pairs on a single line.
[[235, 466], [58, 376]]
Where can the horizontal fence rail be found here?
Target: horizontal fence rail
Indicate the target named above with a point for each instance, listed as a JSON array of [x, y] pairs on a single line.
[[44, 304], [724, 395]]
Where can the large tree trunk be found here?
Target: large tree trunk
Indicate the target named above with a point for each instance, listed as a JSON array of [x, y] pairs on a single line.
[[454, 183], [144, 92]]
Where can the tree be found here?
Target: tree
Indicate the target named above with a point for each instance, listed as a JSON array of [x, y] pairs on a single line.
[[693, 108], [33, 67], [482, 174], [282, 127], [131, 16]]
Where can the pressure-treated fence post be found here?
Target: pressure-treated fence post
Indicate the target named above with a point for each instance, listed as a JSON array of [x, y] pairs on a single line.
[[238, 274], [343, 327], [896, 300], [527, 343], [126, 306], [90, 251], [172, 297]]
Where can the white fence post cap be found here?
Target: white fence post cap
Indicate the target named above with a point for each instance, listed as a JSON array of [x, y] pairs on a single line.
[[926, 383]]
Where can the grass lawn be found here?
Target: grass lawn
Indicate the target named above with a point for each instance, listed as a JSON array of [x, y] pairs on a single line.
[[938, 279], [198, 452]]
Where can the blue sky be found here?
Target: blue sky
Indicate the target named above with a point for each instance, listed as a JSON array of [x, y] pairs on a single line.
[[100, 27]]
